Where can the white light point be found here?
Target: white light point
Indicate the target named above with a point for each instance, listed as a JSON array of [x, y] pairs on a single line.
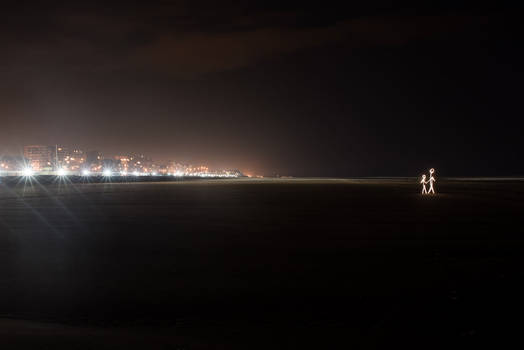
[[61, 172], [107, 172], [28, 172], [86, 173]]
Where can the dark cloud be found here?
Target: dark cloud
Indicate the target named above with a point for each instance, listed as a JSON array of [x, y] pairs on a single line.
[[184, 39], [200, 52]]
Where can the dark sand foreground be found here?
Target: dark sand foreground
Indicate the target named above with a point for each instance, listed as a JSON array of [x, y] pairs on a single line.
[[266, 264]]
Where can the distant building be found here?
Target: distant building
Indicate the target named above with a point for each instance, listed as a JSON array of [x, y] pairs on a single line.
[[93, 161], [76, 160], [139, 163], [93, 157], [39, 157], [124, 163], [162, 168], [177, 168], [12, 163], [59, 156]]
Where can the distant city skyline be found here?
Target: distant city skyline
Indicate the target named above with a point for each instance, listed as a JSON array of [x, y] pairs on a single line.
[[19, 151], [60, 160]]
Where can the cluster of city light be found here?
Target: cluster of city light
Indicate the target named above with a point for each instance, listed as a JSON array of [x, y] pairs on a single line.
[[216, 175], [28, 171], [63, 163]]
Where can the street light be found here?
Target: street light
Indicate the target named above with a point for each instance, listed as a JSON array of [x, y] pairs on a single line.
[[28, 172]]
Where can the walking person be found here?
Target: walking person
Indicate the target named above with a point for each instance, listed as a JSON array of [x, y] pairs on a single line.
[[431, 181], [424, 182]]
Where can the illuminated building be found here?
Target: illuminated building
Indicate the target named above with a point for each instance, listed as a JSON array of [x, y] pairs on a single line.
[[59, 156], [123, 163], [62, 158], [39, 157], [143, 164], [162, 169], [75, 160]]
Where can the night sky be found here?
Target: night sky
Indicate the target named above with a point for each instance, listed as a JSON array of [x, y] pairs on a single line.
[[374, 88]]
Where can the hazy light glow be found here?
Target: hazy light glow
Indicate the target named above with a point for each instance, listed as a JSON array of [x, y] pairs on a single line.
[[136, 173], [123, 173], [61, 172], [107, 172], [86, 172]]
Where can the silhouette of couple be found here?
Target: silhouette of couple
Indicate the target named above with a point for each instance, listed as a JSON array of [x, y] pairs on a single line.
[[430, 181]]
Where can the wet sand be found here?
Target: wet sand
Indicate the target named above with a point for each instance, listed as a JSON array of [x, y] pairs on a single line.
[[295, 263]]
